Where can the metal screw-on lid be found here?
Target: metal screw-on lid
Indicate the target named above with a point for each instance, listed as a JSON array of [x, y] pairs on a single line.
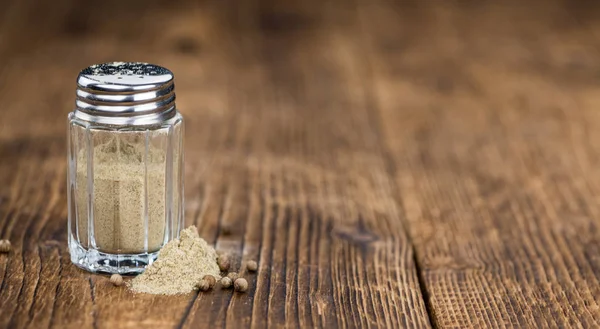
[[125, 93]]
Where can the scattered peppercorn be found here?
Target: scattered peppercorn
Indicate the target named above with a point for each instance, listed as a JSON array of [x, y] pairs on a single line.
[[223, 262], [5, 246], [211, 280], [252, 266], [240, 285], [233, 276], [203, 285], [116, 279], [226, 282]]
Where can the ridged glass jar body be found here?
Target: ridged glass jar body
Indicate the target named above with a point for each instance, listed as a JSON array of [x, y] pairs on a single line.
[[125, 185]]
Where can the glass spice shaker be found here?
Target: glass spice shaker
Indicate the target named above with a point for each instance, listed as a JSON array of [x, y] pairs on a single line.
[[125, 167]]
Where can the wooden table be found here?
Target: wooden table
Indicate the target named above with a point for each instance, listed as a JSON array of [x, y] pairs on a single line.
[[389, 163]]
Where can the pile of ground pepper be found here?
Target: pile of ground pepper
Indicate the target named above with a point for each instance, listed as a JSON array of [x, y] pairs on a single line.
[[180, 265]]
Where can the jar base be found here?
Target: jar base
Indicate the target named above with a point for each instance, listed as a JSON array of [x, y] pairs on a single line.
[[96, 261]]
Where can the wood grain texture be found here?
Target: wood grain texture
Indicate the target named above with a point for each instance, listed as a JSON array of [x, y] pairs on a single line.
[[281, 149], [389, 163], [490, 117]]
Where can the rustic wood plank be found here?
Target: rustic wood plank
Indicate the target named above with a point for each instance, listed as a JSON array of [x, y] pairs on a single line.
[[280, 149], [489, 111], [283, 157]]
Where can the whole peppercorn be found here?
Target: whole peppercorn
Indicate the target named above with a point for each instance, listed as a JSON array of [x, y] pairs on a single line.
[[223, 262], [226, 282], [252, 266], [240, 285], [233, 276], [5, 246], [203, 285], [211, 280], [116, 279]]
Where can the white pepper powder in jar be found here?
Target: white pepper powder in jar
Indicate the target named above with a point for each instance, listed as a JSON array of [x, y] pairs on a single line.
[[125, 167]]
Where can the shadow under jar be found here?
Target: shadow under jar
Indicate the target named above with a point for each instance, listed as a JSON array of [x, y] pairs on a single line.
[[125, 167]]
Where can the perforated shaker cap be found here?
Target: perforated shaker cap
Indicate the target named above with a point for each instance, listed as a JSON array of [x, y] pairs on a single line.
[[125, 93]]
